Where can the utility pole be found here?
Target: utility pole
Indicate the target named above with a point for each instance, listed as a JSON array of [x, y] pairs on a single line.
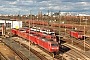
[[29, 31], [84, 38], [72, 29], [59, 31], [48, 18], [51, 19], [80, 20], [85, 30], [59, 26]]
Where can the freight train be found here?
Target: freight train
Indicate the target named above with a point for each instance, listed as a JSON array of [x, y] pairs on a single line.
[[44, 42], [51, 24]]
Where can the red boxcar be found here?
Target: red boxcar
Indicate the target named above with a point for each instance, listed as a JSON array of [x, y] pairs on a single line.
[[55, 24]]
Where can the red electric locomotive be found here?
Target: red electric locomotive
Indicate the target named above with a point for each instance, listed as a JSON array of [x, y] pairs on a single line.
[[45, 43], [48, 44], [76, 34]]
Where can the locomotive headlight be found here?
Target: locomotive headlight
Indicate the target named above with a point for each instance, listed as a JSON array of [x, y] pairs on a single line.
[[52, 48], [57, 48]]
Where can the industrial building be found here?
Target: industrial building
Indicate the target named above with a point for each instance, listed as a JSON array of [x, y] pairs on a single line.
[[11, 23]]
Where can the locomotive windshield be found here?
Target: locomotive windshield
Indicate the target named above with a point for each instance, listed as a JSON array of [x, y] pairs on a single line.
[[54, 44], [21, 30], [53, 37]]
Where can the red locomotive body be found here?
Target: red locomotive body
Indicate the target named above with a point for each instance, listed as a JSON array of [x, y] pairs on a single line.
[[48, 44], [33, 38], [76, 34], [14, 31]]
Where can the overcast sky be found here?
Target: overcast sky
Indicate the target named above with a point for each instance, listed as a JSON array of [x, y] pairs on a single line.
[[24, 6]]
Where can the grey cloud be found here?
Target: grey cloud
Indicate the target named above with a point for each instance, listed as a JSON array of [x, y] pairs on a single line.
[[75, 0], [9, 0], [54, 5], [70, 1], [40, 0]]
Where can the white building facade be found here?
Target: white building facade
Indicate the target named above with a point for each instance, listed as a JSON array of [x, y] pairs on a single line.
[[11, 24]]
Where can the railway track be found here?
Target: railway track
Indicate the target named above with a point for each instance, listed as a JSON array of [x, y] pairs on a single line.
[[56, 55], [78, 43], [2, 57], [69, 56], [87, 42], [76, 52], [34, 52], [16, 51]]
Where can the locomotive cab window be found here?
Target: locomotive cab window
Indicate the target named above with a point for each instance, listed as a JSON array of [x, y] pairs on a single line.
[[54, 44]]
